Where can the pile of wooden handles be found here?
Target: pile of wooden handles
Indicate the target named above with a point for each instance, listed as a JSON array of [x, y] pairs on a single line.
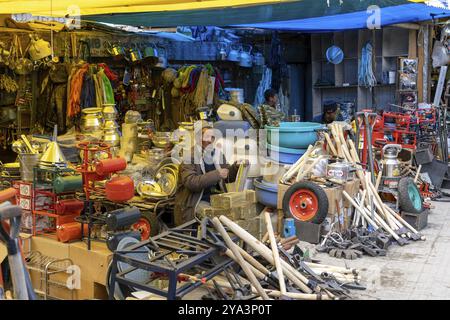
[[370, 209], [337, 146], [256, 272]]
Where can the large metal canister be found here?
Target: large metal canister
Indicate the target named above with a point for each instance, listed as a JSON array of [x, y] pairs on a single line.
[[339, 171], [112, 241], [108, 166], [70, 231], [391, 168], [69, 206], [27, 162], [68, 183], [122, 218], [119, 189]]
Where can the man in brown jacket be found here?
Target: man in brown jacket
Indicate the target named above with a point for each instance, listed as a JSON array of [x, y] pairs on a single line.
[[200, 180]]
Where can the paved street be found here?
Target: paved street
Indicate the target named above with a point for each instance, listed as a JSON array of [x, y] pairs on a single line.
[[419, 270]]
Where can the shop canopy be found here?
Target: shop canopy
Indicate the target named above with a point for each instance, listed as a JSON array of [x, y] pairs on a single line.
[[289, 15], [406, 13]]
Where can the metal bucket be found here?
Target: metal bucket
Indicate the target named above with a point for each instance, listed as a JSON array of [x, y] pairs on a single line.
[[27, 162]]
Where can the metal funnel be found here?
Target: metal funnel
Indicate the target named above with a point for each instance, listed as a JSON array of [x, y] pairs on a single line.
[[53, 156]]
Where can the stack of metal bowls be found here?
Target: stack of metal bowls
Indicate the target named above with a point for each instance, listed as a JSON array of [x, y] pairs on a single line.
[[92, 122], [111, 133]]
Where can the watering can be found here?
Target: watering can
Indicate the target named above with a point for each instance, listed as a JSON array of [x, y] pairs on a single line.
[[134, 54], [162, 58], [234, 54], [259, 59], [223, 51], [245, 58], [116, 50], [150, 51]]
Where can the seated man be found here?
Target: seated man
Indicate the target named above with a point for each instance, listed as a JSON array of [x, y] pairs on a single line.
[[268, 112], [330, 113], [200, 180]]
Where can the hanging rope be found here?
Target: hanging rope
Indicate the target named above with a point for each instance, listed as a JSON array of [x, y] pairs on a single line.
[[365, 74]]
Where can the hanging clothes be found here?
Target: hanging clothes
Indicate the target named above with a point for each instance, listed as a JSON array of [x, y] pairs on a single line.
[[74, 96], [87, 99], [264, 84], [98, 90], [107, 88], [112, 76]]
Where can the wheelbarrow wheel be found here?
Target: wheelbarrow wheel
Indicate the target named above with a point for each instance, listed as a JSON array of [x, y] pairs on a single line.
[[409, 198], [307, 202], [148, 225]]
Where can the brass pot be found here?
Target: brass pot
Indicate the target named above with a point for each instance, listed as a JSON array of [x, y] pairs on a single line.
[[112, 137], [109, 112], [110, 125], [91, 120]]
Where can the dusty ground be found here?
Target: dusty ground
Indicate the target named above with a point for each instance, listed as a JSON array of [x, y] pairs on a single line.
[[419, 270]]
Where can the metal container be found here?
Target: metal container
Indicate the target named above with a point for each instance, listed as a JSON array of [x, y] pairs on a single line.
[[391, 165], [109, 112], [91, 120], [110, 125], [258, 59], [234, 53], [245, 58], [112, 137], [27, 162], [162, 58], [339, 171], [68, 183], [236, 94], [107, 166], [70, 231]]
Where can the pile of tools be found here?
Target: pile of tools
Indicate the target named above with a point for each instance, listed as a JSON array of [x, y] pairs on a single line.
[[355, 243], [273, 272], [227, 263], [371, 211]]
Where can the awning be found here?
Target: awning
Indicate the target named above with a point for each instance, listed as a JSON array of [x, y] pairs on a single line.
[[297, 15], [264, 13], [60, 8], [357, 20]]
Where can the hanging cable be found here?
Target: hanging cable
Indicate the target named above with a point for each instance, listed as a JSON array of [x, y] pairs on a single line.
[[365, 74]]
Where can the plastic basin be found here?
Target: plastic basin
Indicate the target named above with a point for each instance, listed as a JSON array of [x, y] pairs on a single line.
[[285, 155], [266, 193], [293, 135]]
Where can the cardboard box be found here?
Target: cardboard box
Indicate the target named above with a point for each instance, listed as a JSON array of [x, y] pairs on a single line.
[[251, 226], [248, 211], [93, 265], [251, 196], [211, 212], [229, 200], [352, 188]]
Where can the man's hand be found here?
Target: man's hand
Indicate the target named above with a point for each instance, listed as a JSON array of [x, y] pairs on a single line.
[[242, 161], [223, 173]]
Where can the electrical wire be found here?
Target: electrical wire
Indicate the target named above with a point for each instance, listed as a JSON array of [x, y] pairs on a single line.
[[365, 74]]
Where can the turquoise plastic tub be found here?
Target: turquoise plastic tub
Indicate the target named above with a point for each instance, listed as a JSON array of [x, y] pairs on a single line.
[[293, 135], [285, 155]]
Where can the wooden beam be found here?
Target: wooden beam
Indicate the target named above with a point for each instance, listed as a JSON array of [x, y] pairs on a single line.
[[411, 26], [412, 44], [420, 67]]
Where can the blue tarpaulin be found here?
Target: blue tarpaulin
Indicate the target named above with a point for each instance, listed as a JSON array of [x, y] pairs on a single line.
[[356, 20]]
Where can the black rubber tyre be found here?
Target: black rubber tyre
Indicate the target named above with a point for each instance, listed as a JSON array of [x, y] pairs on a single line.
[[306, 201], [409, 197]]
